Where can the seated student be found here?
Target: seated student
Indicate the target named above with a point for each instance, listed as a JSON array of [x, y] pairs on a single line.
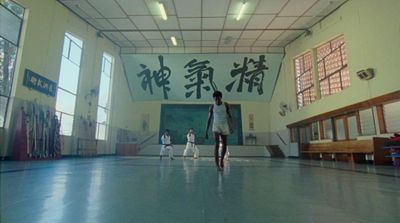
[[191, 145], [166, 144]]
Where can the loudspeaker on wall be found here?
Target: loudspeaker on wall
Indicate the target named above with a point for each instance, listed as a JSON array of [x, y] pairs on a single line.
[[366, 74]]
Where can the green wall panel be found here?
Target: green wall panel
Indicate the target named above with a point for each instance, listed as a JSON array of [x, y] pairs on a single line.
[[178, 118]]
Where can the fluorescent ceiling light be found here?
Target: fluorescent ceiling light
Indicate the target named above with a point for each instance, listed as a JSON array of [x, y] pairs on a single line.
[[241, 11], [173, 39], [162, 10]]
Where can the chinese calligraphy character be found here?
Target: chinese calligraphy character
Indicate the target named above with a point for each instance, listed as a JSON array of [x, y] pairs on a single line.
[[253, 78], [197, 72], [40, 83], [33, 80], [160, 77], [46, 86], [146, 81], [51, 89]]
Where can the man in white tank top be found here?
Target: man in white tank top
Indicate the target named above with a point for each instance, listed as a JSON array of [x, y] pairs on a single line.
[[222, 126]]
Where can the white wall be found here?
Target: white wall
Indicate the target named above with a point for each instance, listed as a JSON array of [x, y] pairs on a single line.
[[371, 30], [45, 24]]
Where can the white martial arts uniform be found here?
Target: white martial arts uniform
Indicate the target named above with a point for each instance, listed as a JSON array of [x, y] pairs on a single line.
[[166, 145], [191, 145]]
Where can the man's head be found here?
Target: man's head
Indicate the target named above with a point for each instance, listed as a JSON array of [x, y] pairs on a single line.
[[217, 95], [166, 132]]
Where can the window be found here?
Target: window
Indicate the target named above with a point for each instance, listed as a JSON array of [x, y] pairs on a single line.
[[304, 80], [352, 125], [103, 108], [294, 134], [305, 134], [328, 133], [367, 122], [332, 67], [315, 131], [346, 127], [391, 113], [340, 129], [12, 14], [68, 82]]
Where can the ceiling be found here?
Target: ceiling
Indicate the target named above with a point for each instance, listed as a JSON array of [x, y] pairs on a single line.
[[202, 26]]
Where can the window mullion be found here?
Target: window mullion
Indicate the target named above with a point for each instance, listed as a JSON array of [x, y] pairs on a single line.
[[314, 73]]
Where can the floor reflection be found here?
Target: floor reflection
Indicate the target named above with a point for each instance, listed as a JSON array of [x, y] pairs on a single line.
[[145, 189]]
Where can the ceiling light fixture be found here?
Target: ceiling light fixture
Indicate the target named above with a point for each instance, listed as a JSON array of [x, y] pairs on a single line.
[[162, 10], [173, 40], [241, 11]]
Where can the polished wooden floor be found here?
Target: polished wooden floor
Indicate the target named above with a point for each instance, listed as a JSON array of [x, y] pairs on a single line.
[[145, 189]]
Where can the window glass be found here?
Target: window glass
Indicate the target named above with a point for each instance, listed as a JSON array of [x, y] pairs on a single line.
[[102, 115], [295, 135], [333, 73], [65, 101], [15, 8], [68, 81], [305, 133], [66, 124], [315, 131], [304, 79], [10, 25], [104, 93], [3, 106], [328, 129], [353, 130], [69, 76], [367, 122], [340, 131], [75, 53], [391, 113], [11, 19], [101, 131], [8, 53]]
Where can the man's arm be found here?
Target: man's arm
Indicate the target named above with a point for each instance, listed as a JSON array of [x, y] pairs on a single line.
[[228, 110], [230, 118], [210, 114]]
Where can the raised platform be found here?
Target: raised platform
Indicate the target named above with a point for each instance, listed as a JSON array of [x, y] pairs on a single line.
[[208, 151]]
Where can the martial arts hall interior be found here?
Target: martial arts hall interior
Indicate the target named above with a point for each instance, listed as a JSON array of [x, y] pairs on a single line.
[[104, 106]]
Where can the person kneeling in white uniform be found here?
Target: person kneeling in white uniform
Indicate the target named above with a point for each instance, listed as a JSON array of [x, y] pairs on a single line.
[[191, 145]]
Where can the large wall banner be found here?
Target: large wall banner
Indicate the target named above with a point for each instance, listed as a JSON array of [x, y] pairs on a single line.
[[194, 77]]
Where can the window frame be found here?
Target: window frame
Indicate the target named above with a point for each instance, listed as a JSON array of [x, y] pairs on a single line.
[[66, 56], [381, 116], [297, 79], [327, 77], [359, 121], [7, 96], [107, 108]]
